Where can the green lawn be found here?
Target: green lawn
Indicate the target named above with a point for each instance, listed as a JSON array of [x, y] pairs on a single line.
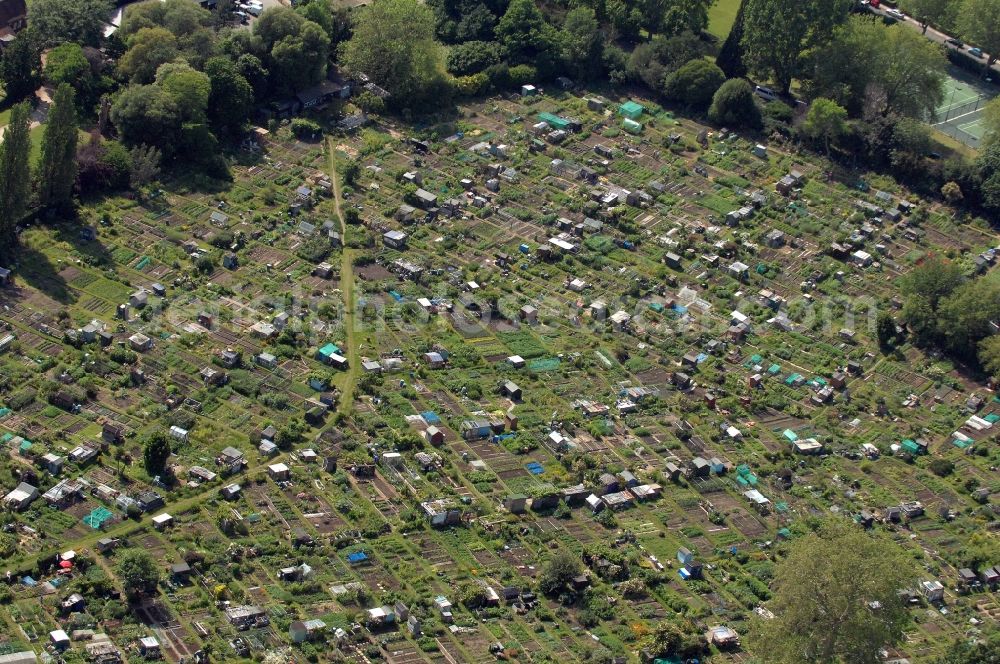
[[721, 17]]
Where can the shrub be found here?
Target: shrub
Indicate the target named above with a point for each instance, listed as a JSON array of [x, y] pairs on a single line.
[[733, 105], [304, 128], [694, 84]]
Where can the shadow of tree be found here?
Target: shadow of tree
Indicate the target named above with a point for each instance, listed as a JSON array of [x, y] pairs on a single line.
[[94, 252], [35, 269]]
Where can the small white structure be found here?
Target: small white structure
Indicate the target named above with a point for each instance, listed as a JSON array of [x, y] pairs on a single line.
[[162, 521], [278, 472], [59, 639]]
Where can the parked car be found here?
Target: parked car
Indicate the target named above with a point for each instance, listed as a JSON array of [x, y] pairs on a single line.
[[976, 52], [767, 94], [957, 43], [255, 9], [895, 13]]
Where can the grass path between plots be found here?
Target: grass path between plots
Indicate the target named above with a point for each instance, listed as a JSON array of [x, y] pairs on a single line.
[[347, 290]]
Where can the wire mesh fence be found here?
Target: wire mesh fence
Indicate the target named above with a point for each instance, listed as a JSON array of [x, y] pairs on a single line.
[[956, 120]]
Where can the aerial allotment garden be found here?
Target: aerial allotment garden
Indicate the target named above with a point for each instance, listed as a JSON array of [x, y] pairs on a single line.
[[543, 383]]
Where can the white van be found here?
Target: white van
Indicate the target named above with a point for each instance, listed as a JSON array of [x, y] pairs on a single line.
[[767, 94], [255, 8]]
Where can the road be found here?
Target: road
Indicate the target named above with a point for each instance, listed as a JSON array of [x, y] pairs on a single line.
[[937, 36]]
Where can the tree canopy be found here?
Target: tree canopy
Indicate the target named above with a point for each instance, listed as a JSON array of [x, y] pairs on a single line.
[[411, 67], [138, 572], [836, 599], [826, 121], [20, 66], [694, 84], [57, 164], [927, 12], [155, 452], [78, 21], [558, 571], [777, 32], [15, 171], [526, 37], [877, 69], [977, 21], [733, 105]]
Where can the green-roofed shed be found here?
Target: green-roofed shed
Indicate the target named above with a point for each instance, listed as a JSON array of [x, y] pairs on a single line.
[[911, 446], [631, 126], [555, 121], [631, 109], [790, 435], [774, 369], [329, 349], [756, 359]]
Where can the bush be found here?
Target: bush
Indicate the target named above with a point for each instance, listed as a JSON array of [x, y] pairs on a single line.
[[304, 128], [941, 467], [733, 105], [694, 84], [522, 74]]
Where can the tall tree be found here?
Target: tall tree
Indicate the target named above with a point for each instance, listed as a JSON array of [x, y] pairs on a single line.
[[694, 84], [144, 162], [20, 66], [67, 63], [57, 166], [777, 32], [733, 105], [826, 121], [879, 70], [78, 21], [979, 24], [138, 572], [991, 120], [189, 88], [147, 114], [989, 355], [730, 58], [685, 16], [15, 172], [934, 279], [526, 37], [582, 42], [411, 66], [231, 100], [836, 599], [296, 49], [155, 452], [966, 316], [148, 48], [926, 12]]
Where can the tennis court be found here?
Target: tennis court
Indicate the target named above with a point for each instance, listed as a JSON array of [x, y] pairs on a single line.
[[961, 114]]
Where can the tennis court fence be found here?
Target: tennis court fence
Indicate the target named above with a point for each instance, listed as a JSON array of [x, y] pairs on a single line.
[[964, 108], [950, 120], [959, 135]]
